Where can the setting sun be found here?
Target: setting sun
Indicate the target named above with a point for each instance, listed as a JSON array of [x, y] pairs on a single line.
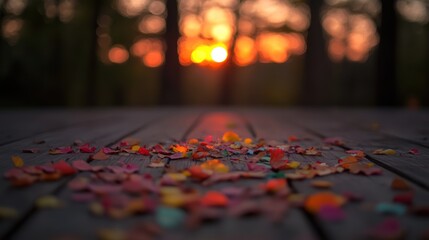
[[219, 54]]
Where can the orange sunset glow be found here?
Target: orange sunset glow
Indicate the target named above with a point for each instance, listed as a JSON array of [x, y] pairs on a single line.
[[211, 32], [209, 29]]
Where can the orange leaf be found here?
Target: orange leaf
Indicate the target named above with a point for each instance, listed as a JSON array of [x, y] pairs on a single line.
[[17, 161], [214, 199], [318, 200], [230, 137]]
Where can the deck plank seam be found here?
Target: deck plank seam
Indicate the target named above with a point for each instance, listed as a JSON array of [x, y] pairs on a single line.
[[312, 221], [372, 159], [27, 215]]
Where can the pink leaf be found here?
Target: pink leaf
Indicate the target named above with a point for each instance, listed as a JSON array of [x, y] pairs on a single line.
[[87, 149], [414, 151], [81, 165]]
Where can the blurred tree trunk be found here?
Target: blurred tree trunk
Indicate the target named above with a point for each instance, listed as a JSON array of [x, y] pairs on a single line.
[[230, 68], [386, 87], [91, 93], [57, 92], [170, 76], [426, 97], [317, 75]]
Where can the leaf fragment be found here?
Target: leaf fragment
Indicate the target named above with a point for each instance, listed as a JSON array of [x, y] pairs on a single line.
[[17, 161]]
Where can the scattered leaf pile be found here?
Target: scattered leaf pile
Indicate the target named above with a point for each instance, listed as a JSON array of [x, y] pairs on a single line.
[[182, 197]]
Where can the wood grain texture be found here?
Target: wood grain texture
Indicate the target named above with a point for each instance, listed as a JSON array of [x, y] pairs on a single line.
[[99, 134], [151, 126], [323, 124], [172, 126], [360, 217]]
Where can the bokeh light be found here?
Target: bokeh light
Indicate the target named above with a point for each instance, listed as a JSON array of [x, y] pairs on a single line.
[[351, 30], [118, 54], [219, 54], [256, 33]]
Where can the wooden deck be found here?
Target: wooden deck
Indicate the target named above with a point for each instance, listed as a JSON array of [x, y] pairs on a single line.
[[366, 130]]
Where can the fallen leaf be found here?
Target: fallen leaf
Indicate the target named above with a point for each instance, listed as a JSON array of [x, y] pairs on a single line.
[[17, 161], [316, 201], [404, 198], [336, 141], [321, 184], [389, 228], [391, 208], [169, 217], [64, 168], [49, 202], [158, 163], [215, 165], [7, 212], [414, 151], [356, 153], [214, 199], [81, 165], [331, 213], [100, 155], [143, 151], [111, 234], [384, 152], [292, 138], [400, 184], [230, 137], [129, 142], [86, 148], [61, 150]]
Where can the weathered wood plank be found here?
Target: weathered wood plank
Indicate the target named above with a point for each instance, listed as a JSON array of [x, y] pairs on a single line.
[[174, 126], [99, 134], [20, 124], [412, 167], [293, 226], [408, 124], [360, 217]]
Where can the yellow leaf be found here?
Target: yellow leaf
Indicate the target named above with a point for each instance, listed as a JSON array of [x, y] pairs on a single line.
[[215, 165], [6, 212], [49, 202], [17, 161], [96, 208], [294, 164], [384, 152], [176, 176], [112, 234], [135, 148]]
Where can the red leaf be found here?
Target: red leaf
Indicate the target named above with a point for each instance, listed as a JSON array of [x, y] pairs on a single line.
[[160, 149], [404, 198], [414, 151], [87, 149], [215, 199], [64, 168], [337, 141], [276, 161], [199, 155], [143, 151], [276, 154]]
